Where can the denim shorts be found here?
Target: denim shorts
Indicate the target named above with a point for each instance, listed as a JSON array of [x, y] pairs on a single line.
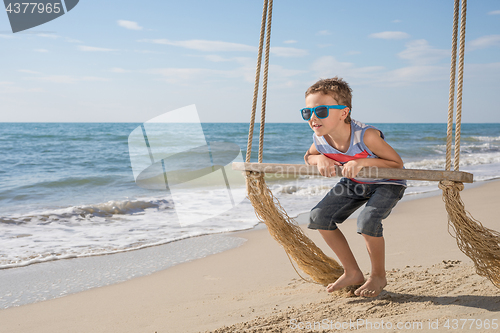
[[347, 196]]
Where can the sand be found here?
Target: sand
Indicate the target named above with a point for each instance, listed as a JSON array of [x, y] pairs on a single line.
[[253, 288]]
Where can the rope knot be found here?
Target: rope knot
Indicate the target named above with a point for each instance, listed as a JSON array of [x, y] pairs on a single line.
[[449, 185]]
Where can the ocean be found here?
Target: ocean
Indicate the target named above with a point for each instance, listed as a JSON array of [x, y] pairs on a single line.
[[68, 190]]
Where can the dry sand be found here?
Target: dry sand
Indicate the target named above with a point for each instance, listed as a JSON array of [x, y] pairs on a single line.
[[253, 288]]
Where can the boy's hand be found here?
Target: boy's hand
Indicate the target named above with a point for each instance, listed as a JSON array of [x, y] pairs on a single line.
[[326, 166], [351, 168]]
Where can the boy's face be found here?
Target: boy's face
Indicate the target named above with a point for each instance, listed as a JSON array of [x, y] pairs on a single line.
[[335, 117]]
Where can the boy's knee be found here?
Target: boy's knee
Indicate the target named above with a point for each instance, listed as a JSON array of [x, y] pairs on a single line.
[[315, 214], [314, 218], [368, 224], [319, 219], [319, 215]]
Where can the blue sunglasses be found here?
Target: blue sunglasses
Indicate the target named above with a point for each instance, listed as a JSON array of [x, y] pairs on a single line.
[[321, 111]]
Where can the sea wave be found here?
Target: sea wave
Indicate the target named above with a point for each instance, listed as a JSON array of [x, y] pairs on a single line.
[[71, 192], [84, 212], [465, 160], [483, 138], [105, 228]]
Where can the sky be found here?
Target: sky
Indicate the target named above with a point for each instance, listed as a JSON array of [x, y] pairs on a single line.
[[131, 61]]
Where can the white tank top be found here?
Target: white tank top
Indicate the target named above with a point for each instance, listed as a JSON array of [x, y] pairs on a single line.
[[357, 149]]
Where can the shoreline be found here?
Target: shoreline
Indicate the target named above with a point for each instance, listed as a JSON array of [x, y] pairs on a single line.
[[58, 278], [256, 279], [35, 282], [51, 255]]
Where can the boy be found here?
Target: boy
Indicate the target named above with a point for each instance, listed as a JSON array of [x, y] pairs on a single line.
[[339, 140]]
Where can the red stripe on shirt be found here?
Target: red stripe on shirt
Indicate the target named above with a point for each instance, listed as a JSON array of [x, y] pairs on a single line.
[[345, 158]]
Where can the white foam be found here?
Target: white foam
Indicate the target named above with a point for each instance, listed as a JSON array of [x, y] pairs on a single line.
[[106, 228], [486, 138], [117, 226]]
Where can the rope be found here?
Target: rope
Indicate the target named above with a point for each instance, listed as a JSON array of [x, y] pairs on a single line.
[[264, 81], [256, 85], [451, 100], [310, 258], [283, 229], [458, 120], [480, 244]]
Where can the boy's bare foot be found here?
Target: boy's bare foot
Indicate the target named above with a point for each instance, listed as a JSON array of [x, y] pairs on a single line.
[[372, 287], [346, 280]]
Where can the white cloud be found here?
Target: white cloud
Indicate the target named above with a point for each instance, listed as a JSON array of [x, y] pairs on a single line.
[[288, 52], [245, 71], [27, 71], [57, 79], [390, 35], [494, 12], [484, 72], [485, 42], [279, 72], [41, 50], [6, 36], [185, 75], [204, 45], [329, 66], [216, 58], [7, 87], [118, 70], [94, 79], [291, 41], [72, 40], [52, 36], [61, 78], [419, 52], [68, 79], [323, 33], [146, 52], [131, 25], [289, 84], [93, 49], [396, 21], [411, 74], [326, 66]]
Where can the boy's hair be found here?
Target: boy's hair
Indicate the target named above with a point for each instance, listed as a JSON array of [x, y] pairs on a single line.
[[337, 88]]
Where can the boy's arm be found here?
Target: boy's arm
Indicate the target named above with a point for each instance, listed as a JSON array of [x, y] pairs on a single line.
[[310, 156], [326, 166], [388, 157]]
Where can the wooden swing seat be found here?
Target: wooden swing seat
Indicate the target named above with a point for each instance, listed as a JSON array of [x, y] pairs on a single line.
[[366, 172]]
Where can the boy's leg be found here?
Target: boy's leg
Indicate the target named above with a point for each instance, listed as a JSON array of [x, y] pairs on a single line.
[[335, 208], [352, 274], [378, 207], [377, 281]]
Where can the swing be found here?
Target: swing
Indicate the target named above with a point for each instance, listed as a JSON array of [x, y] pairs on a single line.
[[479, 243]]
